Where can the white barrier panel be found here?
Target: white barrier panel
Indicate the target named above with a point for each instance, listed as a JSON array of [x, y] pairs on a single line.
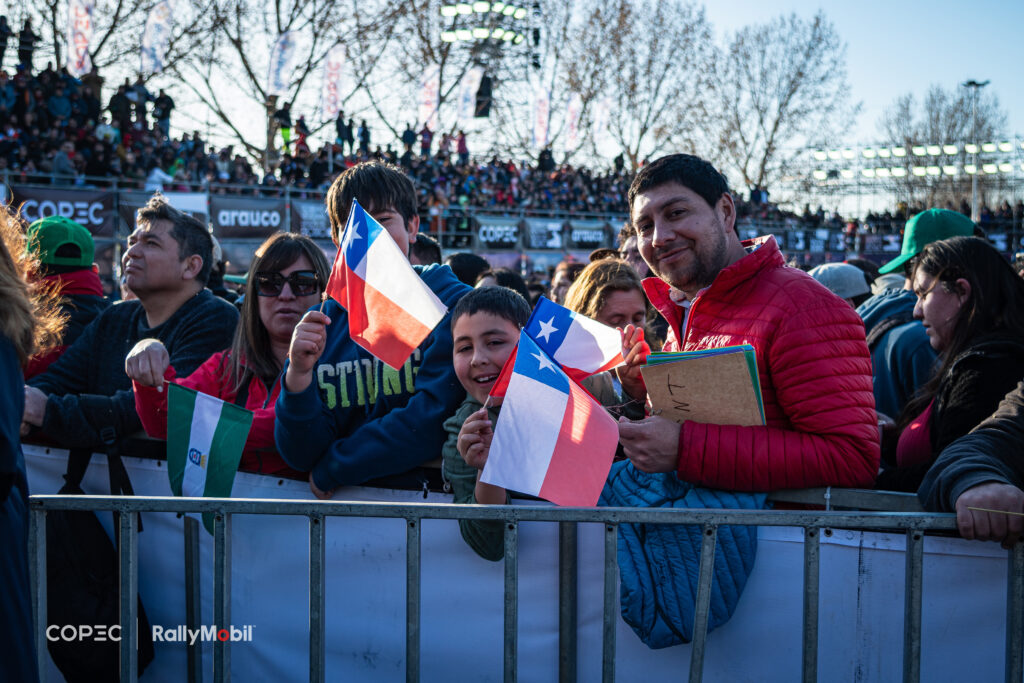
[[861, 614]]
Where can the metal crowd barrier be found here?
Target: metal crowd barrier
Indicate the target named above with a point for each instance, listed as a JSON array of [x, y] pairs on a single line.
[[915, 526]]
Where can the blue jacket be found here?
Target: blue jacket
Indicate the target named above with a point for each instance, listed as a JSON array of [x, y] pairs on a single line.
[[659, 564], [359, 419], [902, 359]]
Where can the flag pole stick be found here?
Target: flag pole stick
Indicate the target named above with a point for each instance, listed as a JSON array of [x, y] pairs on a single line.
[[1002, 512], [487, 403]]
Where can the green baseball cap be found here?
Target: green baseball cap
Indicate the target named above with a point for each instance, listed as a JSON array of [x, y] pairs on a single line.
[[927, 227], [46, 237]]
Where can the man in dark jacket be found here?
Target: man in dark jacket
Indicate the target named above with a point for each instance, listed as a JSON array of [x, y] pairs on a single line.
[[902, 359], [65, 251], [984, 469], [85, 399]]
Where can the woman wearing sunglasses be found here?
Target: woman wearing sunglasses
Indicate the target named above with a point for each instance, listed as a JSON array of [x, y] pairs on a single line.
[[286, 278]]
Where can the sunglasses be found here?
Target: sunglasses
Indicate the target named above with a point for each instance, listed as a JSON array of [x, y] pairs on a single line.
[[302, 282]]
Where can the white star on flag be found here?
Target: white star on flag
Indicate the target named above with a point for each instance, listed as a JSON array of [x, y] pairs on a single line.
[[546, 328], [545, 362]]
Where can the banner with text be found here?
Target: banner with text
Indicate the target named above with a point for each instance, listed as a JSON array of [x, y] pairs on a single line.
[[588, 234], [80, 29], [330, 97], [94, 209], [309, 217], [156, 37], [497, 233], [544, 233], [246, 216], [279, 75], [430, 96]]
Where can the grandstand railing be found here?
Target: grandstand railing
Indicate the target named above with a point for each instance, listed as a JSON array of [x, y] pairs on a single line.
[[914, 524]]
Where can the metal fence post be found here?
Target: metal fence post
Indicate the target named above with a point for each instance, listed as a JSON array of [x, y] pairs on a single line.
[[1015, 615], [192, 598], [611, 618], [511, 601], [37, 577], [912, 607], [317, 536], [812, 575], [412, 600], [700, 617], [568, 601], [222, 594], [128, 529]]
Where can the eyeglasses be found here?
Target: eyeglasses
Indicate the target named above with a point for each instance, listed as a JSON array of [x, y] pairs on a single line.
[[302, 282]]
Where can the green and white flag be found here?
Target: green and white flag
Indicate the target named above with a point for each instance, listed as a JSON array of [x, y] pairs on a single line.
[[205, 438]]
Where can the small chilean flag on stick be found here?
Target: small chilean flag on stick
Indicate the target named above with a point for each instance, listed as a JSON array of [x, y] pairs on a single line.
[[582, 346], [552, 440], [390, 309]]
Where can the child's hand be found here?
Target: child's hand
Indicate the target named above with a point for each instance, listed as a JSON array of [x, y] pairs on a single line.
[[634, 350], [474, 441]]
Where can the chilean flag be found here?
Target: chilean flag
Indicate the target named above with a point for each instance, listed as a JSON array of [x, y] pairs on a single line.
[[582, 346], [390, 309], [552, 440]]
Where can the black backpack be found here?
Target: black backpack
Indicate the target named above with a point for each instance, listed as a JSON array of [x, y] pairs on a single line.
[[83, 582]]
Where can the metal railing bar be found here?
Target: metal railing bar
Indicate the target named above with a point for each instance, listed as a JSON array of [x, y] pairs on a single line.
[[1015, 615], [412, 600], [128, 551], [912, 607], [610, 618], [193, 614], [222, 595], [511, 601], [507, 513], [317, 574], [37, 581], [812, 575], [568, 601], [703, 602]]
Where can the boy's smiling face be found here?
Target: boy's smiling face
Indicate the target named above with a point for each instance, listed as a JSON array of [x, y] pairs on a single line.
[[483, 342]]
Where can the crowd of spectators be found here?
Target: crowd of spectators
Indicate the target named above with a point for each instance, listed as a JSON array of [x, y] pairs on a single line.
[[55, 128]]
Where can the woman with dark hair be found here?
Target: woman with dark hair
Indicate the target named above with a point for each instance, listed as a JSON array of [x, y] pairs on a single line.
[[30, 321], [286, 279], [972, 305]]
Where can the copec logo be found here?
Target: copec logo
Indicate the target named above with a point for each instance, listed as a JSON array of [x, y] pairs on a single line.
[[86, 213], [248, 219], [499, 233], [174, 634]]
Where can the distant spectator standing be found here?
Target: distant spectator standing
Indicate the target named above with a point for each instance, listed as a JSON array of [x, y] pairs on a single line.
[[64, 172], [121, 109], [364, 137], [162, 106], [346, 132], [426, 137], [462, 148], [59, 107], [139, 96], [26, 44], [5, 35], [283, 117], [408, 136]]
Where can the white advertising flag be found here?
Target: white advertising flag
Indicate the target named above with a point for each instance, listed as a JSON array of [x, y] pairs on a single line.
[[79, 36], [572, 123], [467, 94], [541, 116], [282, 60], [334, 66], [156, 37], [430, 96]]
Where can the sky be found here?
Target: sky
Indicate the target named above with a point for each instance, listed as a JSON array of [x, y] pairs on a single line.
[[900, 46]]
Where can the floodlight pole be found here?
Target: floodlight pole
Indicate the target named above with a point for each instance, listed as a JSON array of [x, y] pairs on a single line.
[[975, 86]]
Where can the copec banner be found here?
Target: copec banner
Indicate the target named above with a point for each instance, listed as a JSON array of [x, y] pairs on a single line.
[[94, 209], [129, 203], [247, 216]]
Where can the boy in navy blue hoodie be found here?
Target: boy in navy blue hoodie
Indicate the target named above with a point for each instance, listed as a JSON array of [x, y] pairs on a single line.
[[344, 416]]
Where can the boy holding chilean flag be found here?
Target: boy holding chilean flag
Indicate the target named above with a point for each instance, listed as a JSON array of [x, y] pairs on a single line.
[[343, 415]]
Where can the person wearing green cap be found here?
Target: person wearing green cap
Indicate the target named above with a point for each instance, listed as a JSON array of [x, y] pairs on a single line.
[[902, 359], [65, 251]]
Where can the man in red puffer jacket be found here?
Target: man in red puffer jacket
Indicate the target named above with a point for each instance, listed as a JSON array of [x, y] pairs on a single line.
[[714, 290]]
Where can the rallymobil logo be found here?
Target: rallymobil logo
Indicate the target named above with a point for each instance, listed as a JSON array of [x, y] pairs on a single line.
[[248, 219], [177, 634]]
